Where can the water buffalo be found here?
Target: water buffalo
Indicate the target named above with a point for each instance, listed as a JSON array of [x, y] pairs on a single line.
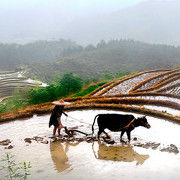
[[119, 122]]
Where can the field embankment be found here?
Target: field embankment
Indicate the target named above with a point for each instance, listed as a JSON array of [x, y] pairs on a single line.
[[131, 101]]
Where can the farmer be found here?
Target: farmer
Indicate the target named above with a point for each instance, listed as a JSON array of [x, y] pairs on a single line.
[[56, 114]]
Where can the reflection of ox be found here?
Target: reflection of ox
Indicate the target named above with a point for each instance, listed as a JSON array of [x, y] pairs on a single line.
[[120, 153], [119, 122]]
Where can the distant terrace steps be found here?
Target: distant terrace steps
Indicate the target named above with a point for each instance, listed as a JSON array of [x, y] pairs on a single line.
[[10, 81], [132, 83], [153, 81], [130, 80], [160, 85]]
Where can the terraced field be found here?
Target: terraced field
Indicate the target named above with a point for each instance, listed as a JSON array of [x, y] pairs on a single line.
[[154, 93], [9, 81]]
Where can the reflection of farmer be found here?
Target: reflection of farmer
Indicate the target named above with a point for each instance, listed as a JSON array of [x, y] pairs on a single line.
[[58, 155], [120, 153], [55, 118]]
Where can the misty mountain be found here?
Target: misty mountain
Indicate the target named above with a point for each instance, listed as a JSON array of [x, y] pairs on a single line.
[[113, 56], [153, 21], [14, 55]]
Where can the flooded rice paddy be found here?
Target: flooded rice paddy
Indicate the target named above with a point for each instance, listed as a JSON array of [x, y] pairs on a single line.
[[125, 87], [175, 90], [159, 98], [152, 154]]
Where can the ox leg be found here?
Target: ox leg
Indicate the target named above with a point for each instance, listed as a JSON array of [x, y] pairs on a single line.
[[107, 135], [100, 131], [122, 136], [128, 135]]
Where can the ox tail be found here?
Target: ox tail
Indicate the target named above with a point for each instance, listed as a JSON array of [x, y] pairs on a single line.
[[94, 123]]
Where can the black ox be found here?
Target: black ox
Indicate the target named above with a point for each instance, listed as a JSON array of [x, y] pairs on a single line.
[[119, 122]]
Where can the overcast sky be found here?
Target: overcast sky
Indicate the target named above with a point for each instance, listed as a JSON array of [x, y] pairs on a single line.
[[69, 4], [72, 8], [23, 21]]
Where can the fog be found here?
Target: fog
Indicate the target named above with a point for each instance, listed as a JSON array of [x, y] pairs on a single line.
[[88, 21], [28, 20]]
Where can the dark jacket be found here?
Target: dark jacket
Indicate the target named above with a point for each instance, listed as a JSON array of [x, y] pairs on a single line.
[[55, 115]]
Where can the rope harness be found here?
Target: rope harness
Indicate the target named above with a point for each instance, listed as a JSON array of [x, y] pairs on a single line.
[[78, 120], [71, 132], [129, 124]]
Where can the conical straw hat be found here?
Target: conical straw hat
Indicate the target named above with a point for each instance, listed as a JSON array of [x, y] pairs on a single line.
[[61, 103]]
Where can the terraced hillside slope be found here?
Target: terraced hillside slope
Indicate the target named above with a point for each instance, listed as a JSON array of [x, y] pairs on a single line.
[[151, 90], [153, 93], [9, 81]]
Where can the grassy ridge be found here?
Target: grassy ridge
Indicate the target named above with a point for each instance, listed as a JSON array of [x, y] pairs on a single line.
[[89, 89], [129, 101], [47, 108]]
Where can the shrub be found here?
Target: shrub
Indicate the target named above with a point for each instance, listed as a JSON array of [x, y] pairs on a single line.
[[71, 83], [12, 170], [108, 75], [122, 73], [68, 84], [89, 89]]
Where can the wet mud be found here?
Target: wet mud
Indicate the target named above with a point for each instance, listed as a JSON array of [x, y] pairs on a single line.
[[89, 139], [151, 154]]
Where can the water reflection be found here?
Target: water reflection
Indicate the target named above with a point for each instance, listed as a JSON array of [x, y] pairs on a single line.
[[59, 155], [119, 153]]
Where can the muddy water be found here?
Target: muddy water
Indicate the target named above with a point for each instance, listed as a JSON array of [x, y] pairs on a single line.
[[98, 160]]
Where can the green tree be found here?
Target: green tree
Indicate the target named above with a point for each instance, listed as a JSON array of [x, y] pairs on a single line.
[[68, 84], [71, 83]]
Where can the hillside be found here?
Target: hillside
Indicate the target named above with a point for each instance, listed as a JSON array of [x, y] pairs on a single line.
[[152, 21], [44, 59], [112, 56], [14, 55]]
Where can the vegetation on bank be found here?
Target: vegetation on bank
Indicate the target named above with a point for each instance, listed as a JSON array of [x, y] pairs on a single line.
[[121, 102], [61, 86], [12, 170], [65, 86], [89, 89], [47, 108], [133, 101]]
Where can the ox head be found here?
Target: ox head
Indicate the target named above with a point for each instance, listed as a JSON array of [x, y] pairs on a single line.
[[142, 121]]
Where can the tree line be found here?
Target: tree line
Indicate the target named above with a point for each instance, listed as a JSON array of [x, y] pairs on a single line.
[[43, 59]]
